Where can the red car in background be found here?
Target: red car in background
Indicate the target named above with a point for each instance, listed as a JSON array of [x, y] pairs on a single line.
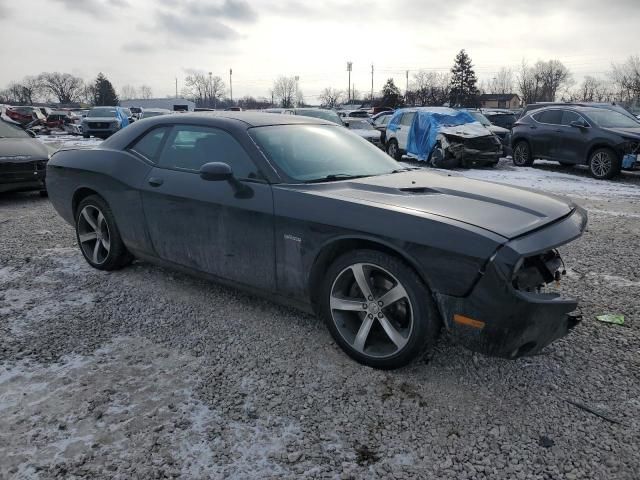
[[24, 115]]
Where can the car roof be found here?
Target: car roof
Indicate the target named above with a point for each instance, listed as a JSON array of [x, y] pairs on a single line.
[[255, 119]]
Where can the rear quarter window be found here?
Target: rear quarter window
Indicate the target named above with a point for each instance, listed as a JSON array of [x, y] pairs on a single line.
[[148, 146]]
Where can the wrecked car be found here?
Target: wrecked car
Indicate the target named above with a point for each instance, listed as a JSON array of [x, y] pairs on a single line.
[[386, 255], [442, 137]]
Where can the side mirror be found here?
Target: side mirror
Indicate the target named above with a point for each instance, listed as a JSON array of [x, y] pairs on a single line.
[[216, 171], [578, 124]]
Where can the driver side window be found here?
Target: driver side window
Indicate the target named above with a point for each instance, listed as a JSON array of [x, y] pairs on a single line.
[[188, 147]]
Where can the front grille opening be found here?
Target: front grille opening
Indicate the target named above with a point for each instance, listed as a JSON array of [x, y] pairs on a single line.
[[537, 271]]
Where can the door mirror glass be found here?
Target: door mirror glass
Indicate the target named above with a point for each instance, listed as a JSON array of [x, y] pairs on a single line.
[[216, 171]]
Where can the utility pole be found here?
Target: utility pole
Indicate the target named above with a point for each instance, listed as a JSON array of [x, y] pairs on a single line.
[[231, 84], [176, 87], [349, 66], [372, 83], [406, 91], [296, 101], [210, 88]]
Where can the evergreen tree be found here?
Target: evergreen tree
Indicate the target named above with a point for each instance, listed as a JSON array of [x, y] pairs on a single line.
[[464, 92], [103, 92], [391, 96]]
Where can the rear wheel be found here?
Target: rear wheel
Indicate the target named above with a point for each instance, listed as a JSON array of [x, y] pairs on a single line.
[[604, 164], [98, 235], [394, 150], [378, 310], [522, 154]]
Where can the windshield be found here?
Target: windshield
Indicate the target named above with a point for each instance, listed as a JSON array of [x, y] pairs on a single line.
[[315, 152], [359, 125], [322, 114], [610, 119], [10, 131], [102, 112], [481, 118]]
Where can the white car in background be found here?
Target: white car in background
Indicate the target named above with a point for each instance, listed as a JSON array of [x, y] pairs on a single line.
[[362, 127], [154, 112]]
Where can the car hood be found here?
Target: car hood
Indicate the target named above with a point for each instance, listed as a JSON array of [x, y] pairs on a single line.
[[466, 130], [22, 150], [626, 132], [501, 209]]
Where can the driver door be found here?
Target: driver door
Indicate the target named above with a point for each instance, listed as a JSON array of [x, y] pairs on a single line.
[[224, 228]]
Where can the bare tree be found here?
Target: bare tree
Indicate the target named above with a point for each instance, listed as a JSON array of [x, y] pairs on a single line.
[[331, 97], [284, 91], [626, 77], [128, 92], [544, 81], [64, 86], [429, 88], [205, 90], [145, 92], [502, 83]]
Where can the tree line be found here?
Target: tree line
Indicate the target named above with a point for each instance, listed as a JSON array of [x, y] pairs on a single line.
[[544, 81]]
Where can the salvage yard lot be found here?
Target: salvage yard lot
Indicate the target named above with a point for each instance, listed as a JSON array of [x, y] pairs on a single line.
[[144, 372]]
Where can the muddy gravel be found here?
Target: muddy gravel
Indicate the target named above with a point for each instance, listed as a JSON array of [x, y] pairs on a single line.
[[146, 373]]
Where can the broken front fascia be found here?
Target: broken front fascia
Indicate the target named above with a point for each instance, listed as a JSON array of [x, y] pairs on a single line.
[[506, 313], [464, 146]]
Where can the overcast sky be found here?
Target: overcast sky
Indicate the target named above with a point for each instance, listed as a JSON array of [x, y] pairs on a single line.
[[154, 41]]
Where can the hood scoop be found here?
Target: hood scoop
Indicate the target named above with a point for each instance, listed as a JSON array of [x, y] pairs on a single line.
[[419, 190]]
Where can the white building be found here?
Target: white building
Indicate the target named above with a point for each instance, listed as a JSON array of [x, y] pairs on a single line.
[[174, 104]]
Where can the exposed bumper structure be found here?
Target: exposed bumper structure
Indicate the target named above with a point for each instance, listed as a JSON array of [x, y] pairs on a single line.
[[501, 318]]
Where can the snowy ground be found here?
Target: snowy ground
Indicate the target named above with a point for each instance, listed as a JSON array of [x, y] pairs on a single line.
[[147, 373]]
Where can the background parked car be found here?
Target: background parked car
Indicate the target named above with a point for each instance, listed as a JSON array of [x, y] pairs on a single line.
[[104, 121], [501, 118], [321, 113], [502, 133], [603, 139], [362, 127], [25, 115], [23, 160], [609, 106], [154, 112], [353, 113], [380, 122]]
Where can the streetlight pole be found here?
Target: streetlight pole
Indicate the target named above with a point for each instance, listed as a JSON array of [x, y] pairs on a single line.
[[296, 102], [349, 66], [372, 83], [231, 84]]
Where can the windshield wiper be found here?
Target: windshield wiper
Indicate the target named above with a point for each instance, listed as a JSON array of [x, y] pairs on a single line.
[[336, 176]]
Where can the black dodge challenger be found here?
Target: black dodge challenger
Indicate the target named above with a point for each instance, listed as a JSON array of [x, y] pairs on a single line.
[[307, 213]]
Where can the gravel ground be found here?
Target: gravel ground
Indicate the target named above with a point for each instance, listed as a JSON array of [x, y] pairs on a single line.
[[145, 373]]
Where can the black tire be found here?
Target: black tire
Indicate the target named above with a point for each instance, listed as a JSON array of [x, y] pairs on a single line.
[[95, 251], [522, 156], [393, 150], [418, 332], [604, 164], [85, 135]]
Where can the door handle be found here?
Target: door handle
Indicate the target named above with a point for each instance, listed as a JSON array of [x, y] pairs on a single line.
[[155, 181]]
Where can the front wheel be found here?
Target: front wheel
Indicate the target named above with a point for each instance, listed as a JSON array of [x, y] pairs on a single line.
[[604, 164], [378, 310], [393, 150], [98, 235], [522, 154]]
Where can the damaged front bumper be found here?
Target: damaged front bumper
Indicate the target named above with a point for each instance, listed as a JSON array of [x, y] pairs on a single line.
[[504, 315], [454, 151]]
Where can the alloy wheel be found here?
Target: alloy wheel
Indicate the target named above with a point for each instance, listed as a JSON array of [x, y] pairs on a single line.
[[93, 234], [601, 164], [392, 149], [371, 310], [521, 155]]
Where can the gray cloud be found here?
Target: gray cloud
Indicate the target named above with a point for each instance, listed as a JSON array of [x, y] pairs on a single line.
[[138, 47], [195, 28], [96, 8], [237, 10]]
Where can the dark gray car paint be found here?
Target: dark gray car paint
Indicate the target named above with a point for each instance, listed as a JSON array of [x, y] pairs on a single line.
[[268, 236], [21, 164]]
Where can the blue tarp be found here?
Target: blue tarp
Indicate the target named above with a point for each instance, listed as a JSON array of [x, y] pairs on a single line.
[[124, 120], [426, 126]]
